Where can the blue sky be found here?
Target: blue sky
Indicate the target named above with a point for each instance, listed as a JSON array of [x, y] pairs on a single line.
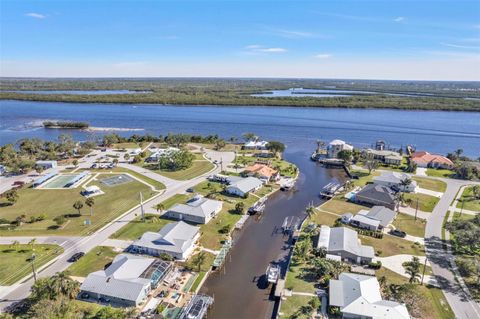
[[387, 39]]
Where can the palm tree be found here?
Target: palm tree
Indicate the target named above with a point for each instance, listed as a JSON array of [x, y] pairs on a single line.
[[32, 243], [405, 183], [310, 210], [198, 260], [476, 191], [160, 207], [90, 202], [412, 268], [15, 244], [62, 284], [78, 205]]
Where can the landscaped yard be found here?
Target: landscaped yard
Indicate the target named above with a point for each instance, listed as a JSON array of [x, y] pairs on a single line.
[[52, 203], [299, 280], [135, 229], [391, 245], [340, 207], [363, 177], [15, 264], [440, 172], [409, 225], [198, 168], [426, 203], [95, 259], [211, 237], [292, 304], [205, 266], [469, 202], [431, 184]]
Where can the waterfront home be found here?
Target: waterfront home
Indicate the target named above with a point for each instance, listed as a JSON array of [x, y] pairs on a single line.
[[175, 239], [46, 164], [344, 242], [255, 145], [358, 296], [425, 159], [126, 282], [199, 210], [377, 218], [263, 172], [242, 186], [336, 146], [385, 156], [396, 181], [161, 152], [372, 194]]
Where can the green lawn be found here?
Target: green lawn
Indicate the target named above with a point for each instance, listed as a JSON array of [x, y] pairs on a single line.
[[363, 177], [206, 265], [14, 263], [440, 172], [409, 225], [462, 216], [135, 229], [431, 184], [198, 168], [340, 207], [426, 203], [468, 200], [34, 202], [299, 280], [175, 199], [95, 259], [210, 236], [197, 281], [391, 245], [292, 304]]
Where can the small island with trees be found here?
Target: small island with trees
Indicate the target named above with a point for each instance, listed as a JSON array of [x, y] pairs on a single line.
[[66, 125]]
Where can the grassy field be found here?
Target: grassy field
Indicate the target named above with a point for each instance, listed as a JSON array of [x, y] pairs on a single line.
[[34, 202], [198, 168], [390, 245], [292, 304], [463, 216], [408, 224], [426, 203], [340, 207], [94, 260], [432, 301], [135, 229], [440, 172], [431, 184], [468, 201], [15, 264]]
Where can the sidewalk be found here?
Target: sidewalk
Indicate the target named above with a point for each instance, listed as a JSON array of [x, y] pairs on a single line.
[[411, 211], [428, 192]]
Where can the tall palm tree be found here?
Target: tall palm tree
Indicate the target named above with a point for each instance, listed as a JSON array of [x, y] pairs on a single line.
[[15, 244], [62, 284], [78, 205], [310, 210], [160, 207], [405, 183], [412, 268], [90, 202], [199, 259]]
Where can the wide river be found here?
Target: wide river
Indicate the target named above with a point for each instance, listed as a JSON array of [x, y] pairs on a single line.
[[239, 289]]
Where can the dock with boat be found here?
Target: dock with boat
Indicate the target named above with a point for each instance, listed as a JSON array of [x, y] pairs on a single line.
[[331, 189]]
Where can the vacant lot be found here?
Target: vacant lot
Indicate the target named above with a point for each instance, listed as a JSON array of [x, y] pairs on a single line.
[[390, 245], [15, 261], [52, 203], [95, 259], [468, 200], [409, 225], [340, 207], [431, 184], [363, 177], [199, 167], [212, 237], [426, 203]]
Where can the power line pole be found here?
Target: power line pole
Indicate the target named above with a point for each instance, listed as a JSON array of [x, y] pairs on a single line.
[[416, 210], [141, 207], [424, 267], [33, 267]]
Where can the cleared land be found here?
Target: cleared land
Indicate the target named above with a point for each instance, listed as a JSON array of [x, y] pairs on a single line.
[[391, 245], [468, 200], [431, 184], [426, 203], [15, 261], [198, 168], [95, 259], [340, 207], [409, 225], [52, 203]]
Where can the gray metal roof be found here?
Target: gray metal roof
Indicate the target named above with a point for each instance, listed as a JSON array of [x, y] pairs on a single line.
[[343, 239], [246, 184], [393, 178], [201, 207], [383, 214]]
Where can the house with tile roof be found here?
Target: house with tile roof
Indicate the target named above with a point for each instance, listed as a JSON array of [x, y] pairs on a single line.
[[263, 172], [425, 159]]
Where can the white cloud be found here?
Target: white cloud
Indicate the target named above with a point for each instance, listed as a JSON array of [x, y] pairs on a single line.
[[459, 46], [399, 19], [36, 15], [323, 56], [255, 48]]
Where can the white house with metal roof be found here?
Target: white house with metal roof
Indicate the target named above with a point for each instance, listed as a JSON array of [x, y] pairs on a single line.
[[175, 239], [344, 242], [199, 210], [126, 282], [336, 146], [255, 145], [358, 296], [242, 186], [394, 180], [376, 218]]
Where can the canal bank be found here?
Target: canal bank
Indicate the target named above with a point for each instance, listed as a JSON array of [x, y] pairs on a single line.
[[239, 287]]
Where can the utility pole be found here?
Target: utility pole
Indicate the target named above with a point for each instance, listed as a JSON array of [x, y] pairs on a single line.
[[424, 267], [221, 164], [416, 210], [33, 267], [461, 209], [141, 207]]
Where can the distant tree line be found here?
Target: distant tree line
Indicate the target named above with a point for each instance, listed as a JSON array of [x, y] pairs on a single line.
[[66, 124]]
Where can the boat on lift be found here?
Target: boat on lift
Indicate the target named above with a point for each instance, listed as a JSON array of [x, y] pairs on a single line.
[[272, 273]]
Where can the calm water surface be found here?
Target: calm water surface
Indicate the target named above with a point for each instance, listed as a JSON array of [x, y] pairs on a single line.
[[79, 92]]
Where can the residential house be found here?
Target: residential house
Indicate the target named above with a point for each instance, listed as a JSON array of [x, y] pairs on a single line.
[[126, 282], [377, 218], [336, 146], [394, 180], [344, 242], [263, 172], [46, 164], [425, 159], [372, 194], [358, 296], [160, 152], [175, 239], [384, 156], [242, 186], [199, 210], [255, 145], [136, 151]]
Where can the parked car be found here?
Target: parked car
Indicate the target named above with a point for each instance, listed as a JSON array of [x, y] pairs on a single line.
[[75, 257], [18, 183], [398, 233], [190, 190], [104, 300], [84, 296]]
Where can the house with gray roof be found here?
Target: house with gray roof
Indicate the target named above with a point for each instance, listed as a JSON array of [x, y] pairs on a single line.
[[344, 242], [126, 282], [373, 194], [376, 218], [199, 210], [175, 239], [394, 180], [242, 186], [384, 156], [358, 296]]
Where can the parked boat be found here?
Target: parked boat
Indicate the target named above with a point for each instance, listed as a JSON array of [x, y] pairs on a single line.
[[330, 189], [272, 273]]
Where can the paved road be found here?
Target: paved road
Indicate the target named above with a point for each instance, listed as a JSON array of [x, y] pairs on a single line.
[[85, 244], [462, 305]]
